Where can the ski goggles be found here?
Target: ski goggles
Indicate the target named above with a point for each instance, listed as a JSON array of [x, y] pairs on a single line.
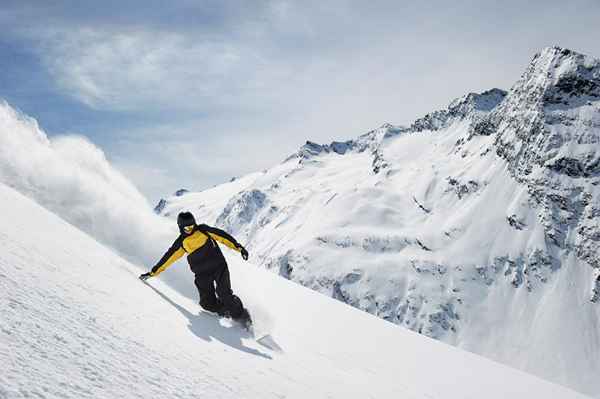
[[188, 229]]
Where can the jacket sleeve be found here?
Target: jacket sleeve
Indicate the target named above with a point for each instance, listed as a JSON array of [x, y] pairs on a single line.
[[175, 252], [222, 236]]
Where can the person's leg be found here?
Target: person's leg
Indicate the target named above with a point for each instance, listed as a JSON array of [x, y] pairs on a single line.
[[206, 289], [231, 303]]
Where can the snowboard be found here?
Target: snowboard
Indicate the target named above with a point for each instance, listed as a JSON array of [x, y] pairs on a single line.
[[263, 338], [246, 325]]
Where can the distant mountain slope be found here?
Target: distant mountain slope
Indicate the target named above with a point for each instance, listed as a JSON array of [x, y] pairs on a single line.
[[477, 225], [76, 322]]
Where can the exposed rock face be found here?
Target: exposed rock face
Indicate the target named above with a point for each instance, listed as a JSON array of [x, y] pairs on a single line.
[[472, 105], [552, 117], [548, 131], [368, 141], [162, 203], [596, 291], [245, 212]]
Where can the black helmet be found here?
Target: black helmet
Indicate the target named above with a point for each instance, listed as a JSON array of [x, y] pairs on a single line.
[[185, 219]]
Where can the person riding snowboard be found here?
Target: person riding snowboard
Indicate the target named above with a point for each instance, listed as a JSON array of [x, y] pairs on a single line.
[[207, 262]]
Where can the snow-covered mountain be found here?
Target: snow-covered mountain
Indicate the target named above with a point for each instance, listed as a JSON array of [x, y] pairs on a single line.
[[477, 225], [75, 322]]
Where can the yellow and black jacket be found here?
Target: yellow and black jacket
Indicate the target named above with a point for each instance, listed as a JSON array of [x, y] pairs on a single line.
[[204, 254]]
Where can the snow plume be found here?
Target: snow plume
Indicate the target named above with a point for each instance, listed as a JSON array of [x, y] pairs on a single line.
[[71, 177]]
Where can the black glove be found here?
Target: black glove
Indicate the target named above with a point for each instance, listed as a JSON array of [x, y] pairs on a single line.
[[145, 276], [244, 253]]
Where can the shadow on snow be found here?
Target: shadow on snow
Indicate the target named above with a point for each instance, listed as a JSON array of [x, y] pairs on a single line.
[[207, 327]]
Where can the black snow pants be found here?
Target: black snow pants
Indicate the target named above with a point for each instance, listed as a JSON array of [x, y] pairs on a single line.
[[214, 287]]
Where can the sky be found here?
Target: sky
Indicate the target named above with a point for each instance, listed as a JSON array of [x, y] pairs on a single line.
[[187, 94]]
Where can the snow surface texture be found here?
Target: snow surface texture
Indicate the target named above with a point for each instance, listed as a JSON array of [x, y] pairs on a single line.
[[75, 322], [476, 225]]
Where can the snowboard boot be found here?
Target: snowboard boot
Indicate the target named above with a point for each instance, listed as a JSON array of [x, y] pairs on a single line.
[[218, 309], [244, 320]]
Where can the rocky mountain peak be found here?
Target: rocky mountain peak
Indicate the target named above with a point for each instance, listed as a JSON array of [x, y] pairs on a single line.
[[473, 105], [485, 101], [548, 131], [559, 90], [369, 140], [557, 76]]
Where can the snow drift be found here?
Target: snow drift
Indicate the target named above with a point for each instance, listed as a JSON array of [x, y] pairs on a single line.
[[71, 177]]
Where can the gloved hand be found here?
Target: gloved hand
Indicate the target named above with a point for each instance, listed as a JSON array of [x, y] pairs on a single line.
[[244, 253], [145, 276]]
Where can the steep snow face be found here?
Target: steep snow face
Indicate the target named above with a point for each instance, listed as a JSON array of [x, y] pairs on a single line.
[[548, 131], [441, 228], [76, 323]]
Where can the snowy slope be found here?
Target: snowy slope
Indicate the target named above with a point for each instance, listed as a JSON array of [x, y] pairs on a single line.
[[477, 225], [76, 323]]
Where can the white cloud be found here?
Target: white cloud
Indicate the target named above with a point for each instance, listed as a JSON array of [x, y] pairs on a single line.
[[138, 69]]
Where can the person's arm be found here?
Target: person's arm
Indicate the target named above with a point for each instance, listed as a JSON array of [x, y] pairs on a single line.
[[225, 238], [221, 236], [174, 253]]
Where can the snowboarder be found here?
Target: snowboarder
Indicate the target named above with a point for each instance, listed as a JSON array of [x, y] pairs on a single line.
[[208, 264]]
